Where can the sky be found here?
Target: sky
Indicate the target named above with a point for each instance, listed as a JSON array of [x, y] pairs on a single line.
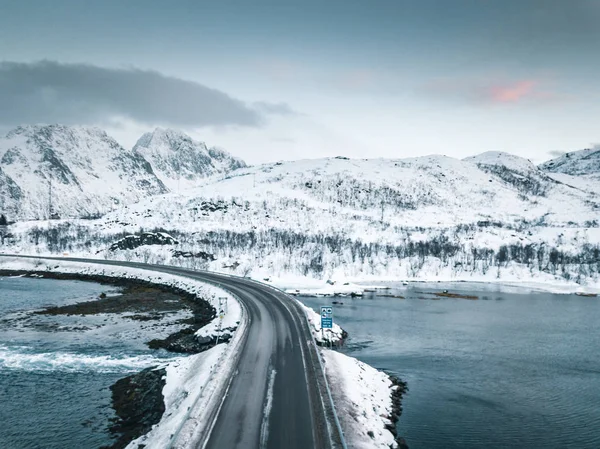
[[278, 80]]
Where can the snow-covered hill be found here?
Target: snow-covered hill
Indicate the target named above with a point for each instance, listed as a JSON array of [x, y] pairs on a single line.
[[180, 161], [431, 217], [367, 199], [584, 162], [80, 171]]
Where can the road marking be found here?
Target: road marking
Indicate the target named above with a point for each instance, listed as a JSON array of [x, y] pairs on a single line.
[[264, 428]]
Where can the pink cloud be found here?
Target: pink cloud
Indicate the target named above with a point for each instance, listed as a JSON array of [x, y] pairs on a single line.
[[514, 92], [495, 91]]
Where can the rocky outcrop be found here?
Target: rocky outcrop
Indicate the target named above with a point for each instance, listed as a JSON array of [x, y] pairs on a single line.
[[145, 238], [139, 404]]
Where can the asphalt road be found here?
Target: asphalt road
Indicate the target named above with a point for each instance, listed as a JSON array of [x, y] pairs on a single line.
[[277, 398]]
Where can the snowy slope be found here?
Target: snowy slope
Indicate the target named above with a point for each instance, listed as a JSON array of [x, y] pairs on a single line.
[[432, 217], [89, 172], [519, 172], [583, 162], [180, 161], [367, 199]]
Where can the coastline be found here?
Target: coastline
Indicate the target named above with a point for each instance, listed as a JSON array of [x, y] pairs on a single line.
[[137, 399], [182, 382]]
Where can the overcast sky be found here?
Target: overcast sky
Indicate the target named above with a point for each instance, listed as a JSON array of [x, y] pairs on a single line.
[[272, 79]]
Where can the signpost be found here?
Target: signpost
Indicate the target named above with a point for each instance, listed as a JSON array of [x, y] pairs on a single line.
[[326, 319]]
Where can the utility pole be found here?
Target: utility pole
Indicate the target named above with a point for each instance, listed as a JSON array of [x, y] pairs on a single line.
[[49, 198], [220, 319]]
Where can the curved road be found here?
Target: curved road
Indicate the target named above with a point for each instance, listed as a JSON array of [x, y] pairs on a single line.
[[277, 398]]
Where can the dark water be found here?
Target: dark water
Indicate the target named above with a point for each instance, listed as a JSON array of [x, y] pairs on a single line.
[[55, 374], [509, 370]]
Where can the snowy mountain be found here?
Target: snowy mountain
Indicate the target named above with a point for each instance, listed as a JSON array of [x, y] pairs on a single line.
[[432, 217], [79, 171], [180, 161], [584, 162], [72, 171]]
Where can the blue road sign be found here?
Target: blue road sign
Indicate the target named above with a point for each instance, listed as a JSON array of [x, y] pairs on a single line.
[[326, 317]]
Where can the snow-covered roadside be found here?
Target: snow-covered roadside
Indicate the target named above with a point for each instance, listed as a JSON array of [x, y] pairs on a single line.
[[188, 379], [323, 337], [363, 399], [513, 277]]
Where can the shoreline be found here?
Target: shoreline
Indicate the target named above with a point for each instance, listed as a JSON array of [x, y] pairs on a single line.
[[137, 399], [152, 379]]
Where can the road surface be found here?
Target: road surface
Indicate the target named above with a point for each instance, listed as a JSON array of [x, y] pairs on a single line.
[[277, 398]]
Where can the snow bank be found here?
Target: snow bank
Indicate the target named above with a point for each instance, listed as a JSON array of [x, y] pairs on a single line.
[[328, 336], [186, 377], [362, 397]]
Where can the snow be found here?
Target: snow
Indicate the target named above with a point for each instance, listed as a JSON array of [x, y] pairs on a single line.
[[328, 336], [350, 220], [186, 378], [193, 383], [180, 161], [362, 397], [583, 162], [499, 158], [92, 174]]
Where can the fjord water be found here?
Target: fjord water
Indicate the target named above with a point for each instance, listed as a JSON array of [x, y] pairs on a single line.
[[54, 378], [511, 369]]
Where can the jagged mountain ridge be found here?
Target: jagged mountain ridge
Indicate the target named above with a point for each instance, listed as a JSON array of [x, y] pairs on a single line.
[[80, 171], [180, 161]]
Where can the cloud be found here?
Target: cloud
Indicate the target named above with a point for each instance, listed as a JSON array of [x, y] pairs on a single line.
[[513, 92], [486, 92], [274, 108], [48, 92]]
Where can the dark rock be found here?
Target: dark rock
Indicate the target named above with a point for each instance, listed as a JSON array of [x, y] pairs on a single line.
[[397, 395], [184, 342], [199, 255], [145, 238], [139, 404]]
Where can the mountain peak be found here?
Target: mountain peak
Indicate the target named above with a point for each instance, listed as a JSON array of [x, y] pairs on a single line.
[[55, 130], [176, 157], [88, 170]]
